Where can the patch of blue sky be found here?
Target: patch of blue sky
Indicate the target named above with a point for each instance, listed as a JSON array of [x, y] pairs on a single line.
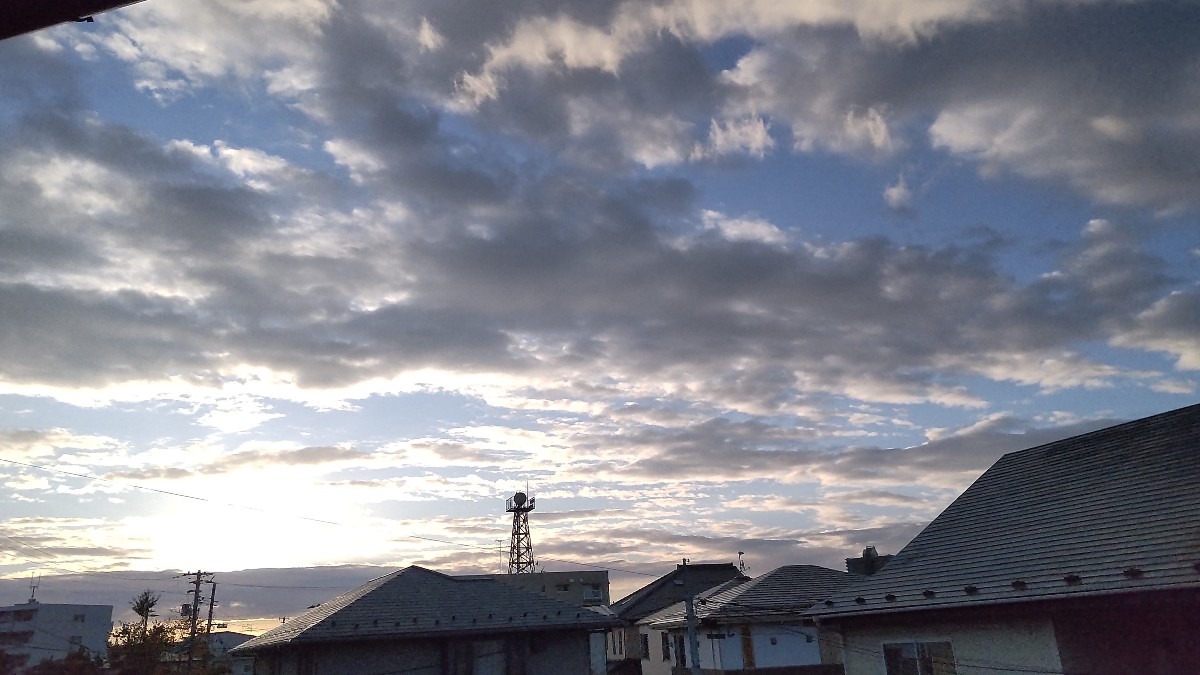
[[137, 424], [377, 419], [201, 114], [812, 195], [725, 53], [447, 508]]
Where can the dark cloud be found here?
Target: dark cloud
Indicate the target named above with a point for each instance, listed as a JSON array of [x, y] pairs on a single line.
[[725, 451], [1097, 96]]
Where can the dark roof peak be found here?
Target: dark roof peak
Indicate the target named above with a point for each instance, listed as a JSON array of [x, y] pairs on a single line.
[[1109, 511]]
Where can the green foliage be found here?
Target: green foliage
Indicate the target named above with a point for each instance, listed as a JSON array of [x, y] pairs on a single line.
[[76, 663], [137, 649], [143, 605], [10, 664]]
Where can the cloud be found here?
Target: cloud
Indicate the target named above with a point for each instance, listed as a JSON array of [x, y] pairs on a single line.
[[897, 196]]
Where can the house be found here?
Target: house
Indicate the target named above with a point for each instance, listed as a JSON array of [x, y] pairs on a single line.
[[24, 16], [219, 645], [418, 620], [587, 588], [37, 632], [748, 624], [1079, 556], [641, 650]]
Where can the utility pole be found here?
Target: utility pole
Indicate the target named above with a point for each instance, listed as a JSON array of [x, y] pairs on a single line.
[[212, 601], [690, 605], [194, 619]]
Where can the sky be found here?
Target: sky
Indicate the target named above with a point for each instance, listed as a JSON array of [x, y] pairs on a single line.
[[298, 292]]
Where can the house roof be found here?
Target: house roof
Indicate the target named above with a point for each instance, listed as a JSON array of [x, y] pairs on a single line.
[[1112, 511], [417, 602], [783, 593], [23, 16], [664, 592]]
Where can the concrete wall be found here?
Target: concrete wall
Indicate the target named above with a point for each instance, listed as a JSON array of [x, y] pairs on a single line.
[[1013, 646]]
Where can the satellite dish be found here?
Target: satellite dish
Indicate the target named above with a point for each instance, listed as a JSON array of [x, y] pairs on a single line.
[[520, 498]]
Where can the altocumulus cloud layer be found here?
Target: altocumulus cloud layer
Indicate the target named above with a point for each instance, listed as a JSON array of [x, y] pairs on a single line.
[[378, 267]]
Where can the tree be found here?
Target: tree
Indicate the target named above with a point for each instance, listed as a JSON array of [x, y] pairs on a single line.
[[143, 605], [134, 649], [10, 664], [75, 663]]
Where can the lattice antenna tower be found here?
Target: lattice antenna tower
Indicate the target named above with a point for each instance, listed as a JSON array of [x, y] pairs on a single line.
[[520, 547]]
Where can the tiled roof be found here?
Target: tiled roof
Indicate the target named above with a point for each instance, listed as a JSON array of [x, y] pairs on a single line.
[[1111, 511], [417, 602], [663, 592], [783, 593]]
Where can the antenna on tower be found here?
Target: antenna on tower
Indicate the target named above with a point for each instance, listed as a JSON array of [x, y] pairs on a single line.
[[34, 582], [520, 547]]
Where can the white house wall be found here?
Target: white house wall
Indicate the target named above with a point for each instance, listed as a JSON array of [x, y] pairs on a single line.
[[1013, 647], [776, 645], [656, 664]]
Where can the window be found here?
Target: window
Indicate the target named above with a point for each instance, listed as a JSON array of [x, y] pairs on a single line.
[[919, 658], [79, 618], [666, 646], [645, 646], [562, 588]]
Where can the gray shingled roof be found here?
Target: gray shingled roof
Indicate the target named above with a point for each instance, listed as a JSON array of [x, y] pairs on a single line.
[[1112, 511], [780, 594], [416, 602], [662, 592]]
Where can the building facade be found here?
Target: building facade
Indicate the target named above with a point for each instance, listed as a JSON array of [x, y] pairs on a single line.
[[42, 632]]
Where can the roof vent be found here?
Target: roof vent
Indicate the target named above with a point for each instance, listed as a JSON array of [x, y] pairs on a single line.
[[928, 593], [1133, 572], [1196, 566], [890, 597], [414, 619], [970, 590], [1073, 579], [437, 622], [1019, 585], [829, 603], [860, 600]]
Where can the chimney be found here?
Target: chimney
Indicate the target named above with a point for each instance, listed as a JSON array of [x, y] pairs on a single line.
[[869, 563]]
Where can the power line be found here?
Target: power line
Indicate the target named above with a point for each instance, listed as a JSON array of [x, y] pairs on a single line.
[[87, 476]]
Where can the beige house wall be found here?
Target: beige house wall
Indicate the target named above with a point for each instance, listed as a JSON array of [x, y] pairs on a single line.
[[1014, 647]]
